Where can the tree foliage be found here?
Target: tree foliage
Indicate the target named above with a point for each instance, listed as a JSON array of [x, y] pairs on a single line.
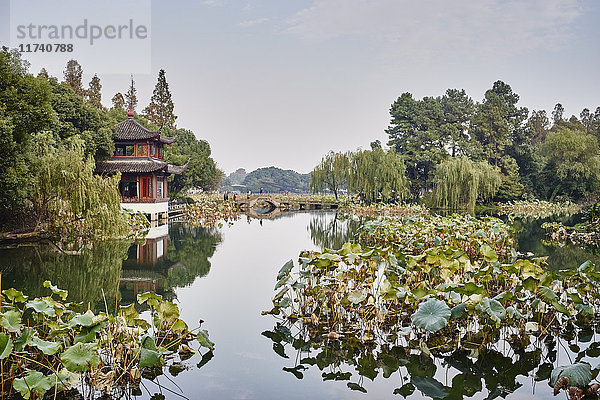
[[331, 174], [459, 182], [93, 95], [131, 96], [73, 74], [160, 109], [201, 172]]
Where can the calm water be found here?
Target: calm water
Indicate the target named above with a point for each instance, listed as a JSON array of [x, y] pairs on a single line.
[[225, 277]]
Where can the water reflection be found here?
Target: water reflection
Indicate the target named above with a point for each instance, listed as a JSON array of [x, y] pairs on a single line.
[[90, 274], [162, 263], [330, 230]]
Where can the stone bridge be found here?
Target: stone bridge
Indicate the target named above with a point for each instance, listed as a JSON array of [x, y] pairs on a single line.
[[278, 203]]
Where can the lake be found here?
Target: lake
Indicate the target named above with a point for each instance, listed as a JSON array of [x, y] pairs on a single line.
[[225, 277]]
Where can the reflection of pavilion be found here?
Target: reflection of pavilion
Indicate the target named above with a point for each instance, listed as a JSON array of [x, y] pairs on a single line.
[[146, 267]]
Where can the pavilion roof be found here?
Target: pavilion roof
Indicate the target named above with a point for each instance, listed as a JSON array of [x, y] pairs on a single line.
[[130, 129], [132, 165]]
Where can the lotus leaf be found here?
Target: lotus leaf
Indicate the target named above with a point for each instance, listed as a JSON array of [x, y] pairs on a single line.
[[82, 320], [80, 356], [285, 270], [204, 341], [150, 297], [579, 374], [168, 311], [34, 381], [357, 296], [149, 358], [60, 292], [16, 296], [129, 313], [11, 321], [493, 308], [6, 346], [431, 315], [41, 306], [45, 346]]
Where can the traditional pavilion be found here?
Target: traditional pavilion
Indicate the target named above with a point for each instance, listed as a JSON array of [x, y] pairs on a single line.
[[139, 157]]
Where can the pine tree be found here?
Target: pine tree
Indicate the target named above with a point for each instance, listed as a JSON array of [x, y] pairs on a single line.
[[118, 100], [73, 73], [43, 74], [94, 94], [160, 109], [131, 96]]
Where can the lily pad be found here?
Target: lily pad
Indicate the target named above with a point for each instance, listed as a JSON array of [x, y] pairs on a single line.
[[285, 270], [80, 356], [432, 315], [45, 346], [11, 321], [15, 295], [6, 346], [34, 381], [60, 292], [579, 374], [204, 341]]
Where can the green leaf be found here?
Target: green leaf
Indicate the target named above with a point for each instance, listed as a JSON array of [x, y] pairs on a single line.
[[148, 342], [60, 292], [149, 358], [80, 356], [285, 270], [45, 346], [89, 334], [15, 296], [129, 313], [493, 308], [579, 374], [11, 321], [406, 390], [82, 320], [6, 346], [34, 381], [150, 297], [41, 306], [488, 253], [431, 315], [357, 296], [458, 311], [168, 311], [204, 341]]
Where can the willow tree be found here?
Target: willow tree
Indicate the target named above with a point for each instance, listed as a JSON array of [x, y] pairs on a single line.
[[331, 174], [459, 183], [378, 175], [70, 200]]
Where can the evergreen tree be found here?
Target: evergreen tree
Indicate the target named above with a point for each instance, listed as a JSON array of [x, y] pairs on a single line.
[[557, 114], [73, 74], [43, 74], [118, 101], [160, 109], [131, 96], [94, 94]]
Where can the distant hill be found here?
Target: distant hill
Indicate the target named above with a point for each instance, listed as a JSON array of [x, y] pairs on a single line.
[[270, 179]]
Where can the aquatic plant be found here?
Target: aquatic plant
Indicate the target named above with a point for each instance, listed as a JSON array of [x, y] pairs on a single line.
[[379, 209], [45, 345], [537, 208], [210, 211], [431, 287]]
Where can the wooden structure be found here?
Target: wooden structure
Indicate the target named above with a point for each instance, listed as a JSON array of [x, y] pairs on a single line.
[[139, 157]]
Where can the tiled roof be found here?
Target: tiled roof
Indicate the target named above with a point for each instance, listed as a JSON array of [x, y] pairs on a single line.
[[176, 169], [137, 165], [130, 129], [130, 166]]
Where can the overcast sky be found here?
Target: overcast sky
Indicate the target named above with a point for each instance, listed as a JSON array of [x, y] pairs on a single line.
[[281, 83]]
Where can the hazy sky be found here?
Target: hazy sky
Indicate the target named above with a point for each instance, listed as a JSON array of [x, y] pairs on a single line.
[[281, 83]]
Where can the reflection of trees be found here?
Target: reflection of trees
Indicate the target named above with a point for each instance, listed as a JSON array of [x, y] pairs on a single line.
[[531, 237], [332, 232], [440, 372], [85, 274], [188, 251]]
